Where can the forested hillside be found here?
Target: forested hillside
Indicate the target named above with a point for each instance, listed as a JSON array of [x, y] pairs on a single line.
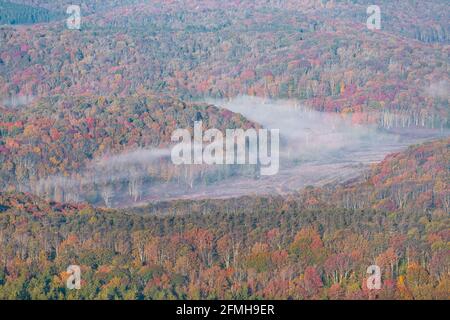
[[301, 247], [423, 21], [59, 137], [415, 180], [86, 119], [13, 13], [331, 64]]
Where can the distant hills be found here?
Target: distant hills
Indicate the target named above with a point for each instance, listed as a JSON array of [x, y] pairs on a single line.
[[17, 14], [320, 54]]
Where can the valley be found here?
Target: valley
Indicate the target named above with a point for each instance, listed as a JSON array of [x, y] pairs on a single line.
[[89, 105]]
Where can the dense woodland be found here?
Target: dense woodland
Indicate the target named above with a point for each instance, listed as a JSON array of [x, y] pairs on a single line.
[[134, 73], [333, 65], [266, 253], [415, 180], [247, 248], [61, 137], [14, 14]]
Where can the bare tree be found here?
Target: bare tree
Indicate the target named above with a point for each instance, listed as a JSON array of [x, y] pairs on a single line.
[[107, 194]]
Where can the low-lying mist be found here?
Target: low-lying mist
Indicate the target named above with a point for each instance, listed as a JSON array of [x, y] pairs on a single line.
[[316, 149], [307, 134]]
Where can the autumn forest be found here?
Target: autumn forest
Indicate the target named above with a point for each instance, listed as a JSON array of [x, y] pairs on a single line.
[[87, 115]]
